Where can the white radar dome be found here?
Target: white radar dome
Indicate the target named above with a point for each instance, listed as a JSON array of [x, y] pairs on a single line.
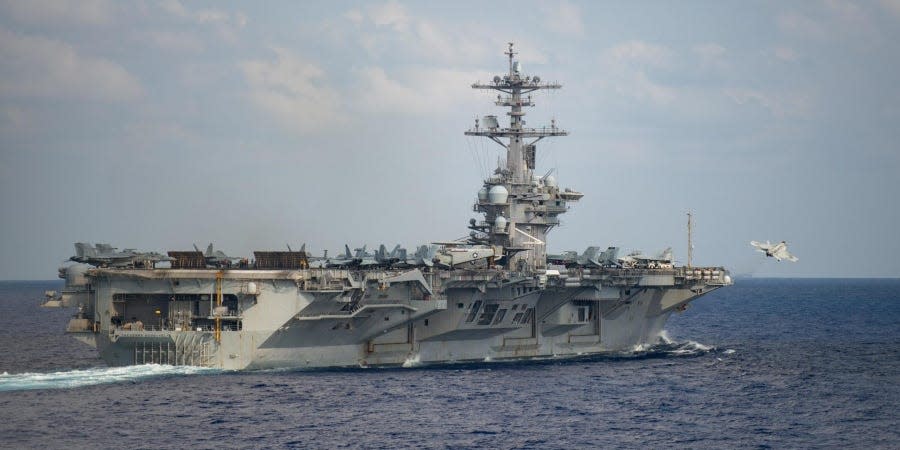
[[482, 194], [550, 181], [498, 194], [500, 224]]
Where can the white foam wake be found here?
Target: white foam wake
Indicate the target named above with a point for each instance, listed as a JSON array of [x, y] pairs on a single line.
[[412, 361], [89, 377]]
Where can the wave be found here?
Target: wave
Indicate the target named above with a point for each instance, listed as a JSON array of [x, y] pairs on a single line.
[[666, 346], [89, 377]]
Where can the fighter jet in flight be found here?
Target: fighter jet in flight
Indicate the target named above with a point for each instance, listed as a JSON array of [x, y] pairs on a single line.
[[777, 251]]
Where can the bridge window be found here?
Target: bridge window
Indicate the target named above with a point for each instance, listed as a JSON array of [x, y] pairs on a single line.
[[473, 312], [500, 315]]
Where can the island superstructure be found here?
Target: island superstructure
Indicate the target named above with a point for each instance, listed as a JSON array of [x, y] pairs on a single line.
[[494, 295]]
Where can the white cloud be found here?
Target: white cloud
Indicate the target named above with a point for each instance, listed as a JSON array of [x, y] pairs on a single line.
[[54, 12], [292, 90], [390, 29], [391, 14], [172, 41], [226, 24], [847, 12], [780, 105], [625, 67], [414, 91], [355, 16], [41, 67], [639, 53], [563, 18], [797, 24], [644, 89], [709, 50]]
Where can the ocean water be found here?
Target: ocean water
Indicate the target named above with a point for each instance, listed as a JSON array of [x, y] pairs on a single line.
[[767, 363]]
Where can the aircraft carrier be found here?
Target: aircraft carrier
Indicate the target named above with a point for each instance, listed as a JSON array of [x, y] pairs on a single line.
[[494, 295]]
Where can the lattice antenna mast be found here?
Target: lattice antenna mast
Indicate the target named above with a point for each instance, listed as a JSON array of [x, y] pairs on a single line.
[[520, 208], [520, 156]]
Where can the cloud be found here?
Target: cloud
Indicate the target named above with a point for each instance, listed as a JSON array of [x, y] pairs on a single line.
[[45, 68], [390, 29], [847, 12], [172, 41], [780, 104], [563, 18], [292, 90], [414, 91], [55, 12], [226, 24], [639, 53], [709, 51], [355, 16], [391, 14], [625, 67], [798, 24]]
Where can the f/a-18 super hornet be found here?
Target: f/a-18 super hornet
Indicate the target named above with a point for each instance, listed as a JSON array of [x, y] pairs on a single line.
[[423, 257], [637, 259], [592, 256], [777, 251], [348, 258], [105, 255], [218, 258]]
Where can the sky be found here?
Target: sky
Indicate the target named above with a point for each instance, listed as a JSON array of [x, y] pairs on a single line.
[[158, 125]]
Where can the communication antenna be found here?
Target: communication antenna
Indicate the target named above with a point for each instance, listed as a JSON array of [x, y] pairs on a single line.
[[690, 239]]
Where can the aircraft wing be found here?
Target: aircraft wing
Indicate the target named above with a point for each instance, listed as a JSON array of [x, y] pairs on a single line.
[[760, 246], [782, 253]]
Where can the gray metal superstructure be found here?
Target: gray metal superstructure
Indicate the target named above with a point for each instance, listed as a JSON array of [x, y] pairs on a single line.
[[496, 295]]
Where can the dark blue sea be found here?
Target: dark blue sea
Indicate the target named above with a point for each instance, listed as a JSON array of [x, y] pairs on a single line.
[[767, 363]]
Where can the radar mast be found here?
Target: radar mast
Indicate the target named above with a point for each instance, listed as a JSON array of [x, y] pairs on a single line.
[[520, 207]]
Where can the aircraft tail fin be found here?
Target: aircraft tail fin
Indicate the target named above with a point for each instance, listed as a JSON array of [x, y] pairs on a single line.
[[590, 256], [83, 249], [609, 257], [104, 248], [665, 255]]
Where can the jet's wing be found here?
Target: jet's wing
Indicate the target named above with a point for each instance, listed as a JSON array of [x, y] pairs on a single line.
[[761, 247], [782, 253]]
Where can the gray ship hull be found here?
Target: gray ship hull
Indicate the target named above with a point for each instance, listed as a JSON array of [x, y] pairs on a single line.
[[296, 319]]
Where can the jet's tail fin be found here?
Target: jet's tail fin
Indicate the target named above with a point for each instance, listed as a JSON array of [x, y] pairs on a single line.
[[83, 250], [590, 255], [665, 255], [105, 248], [609, 257]]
